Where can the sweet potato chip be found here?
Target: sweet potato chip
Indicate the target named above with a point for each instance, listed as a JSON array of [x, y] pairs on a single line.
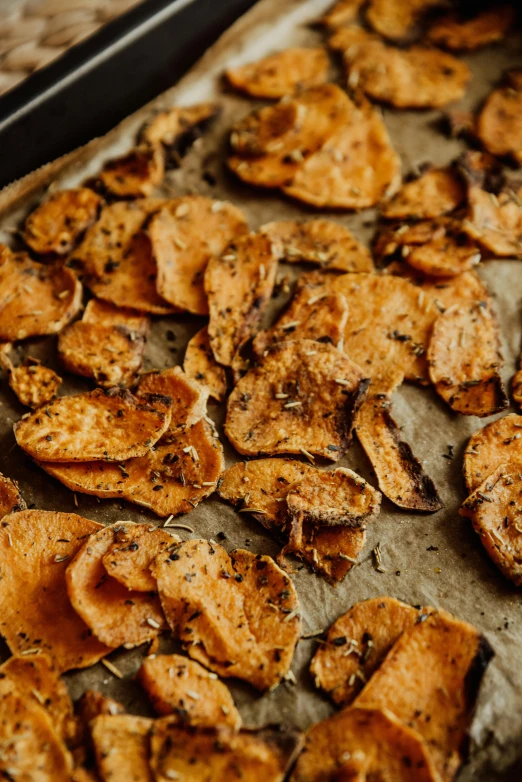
[[280, 405], [430, 680], [464, 34], [330, 551], [444, 256], [357, 643], [238, 615], [239, 285], [399, 474], [11, 499], [33, 383], [516, 388], [110, 425], [23, 282], [434, 193], [177, 127], [495, 221], [131, 553], [281, 73], [182, 250], [189, 397], [116, 615], [135, 174], [464, 357], [497, 443], [58, 223], [200, 365], [267, 130], [499, 124], [397, 20], [35, 549], [182, 687], [442, 293], [121, 744], [93, 703], [341, 13], [364, 744]]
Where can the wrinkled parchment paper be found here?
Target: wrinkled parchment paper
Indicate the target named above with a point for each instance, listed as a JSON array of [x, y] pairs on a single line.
[[454, 573]]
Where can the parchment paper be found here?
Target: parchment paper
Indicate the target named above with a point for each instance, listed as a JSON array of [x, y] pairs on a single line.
[[455, 573]]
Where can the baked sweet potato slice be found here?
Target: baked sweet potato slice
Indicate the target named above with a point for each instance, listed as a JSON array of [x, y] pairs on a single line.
[[343, 12], [182, 249], [11, 499], [330, 551], [281, 73], [135, 174], [116, 615], [497, 443], [33, 383], [399, 473], [398, 20], [516, 388], [121, 744], [441, 293], [356, 644], [131, 553], [238, 615], [120, 426], [435, 192], [93, 703], [279, 406], [322, 242], [182, 687], [200, 365], [35, 549], [177, 127], [444, 256], [495, 222], [239, 284], [56, 225], [364, 744], [267, 130], [499, 124], [430, 681], [464, 356], [461, 34], [189, 397]]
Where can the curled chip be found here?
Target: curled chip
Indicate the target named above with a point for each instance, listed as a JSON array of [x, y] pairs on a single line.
[[239, 285], [433, 670], [107, 344], [116, 257], [495, 221], [134, 548], [497, 443], [464, 34], [200, 365], [254, 637], [301, 398], [182, 687], [464, 357], [35, 549], [281, 73], [397, 20], [179, 126], [11, 499], [341, 13], [189, 397], [516, 388], [435, 192], [24, 284], [328, 244], [499, 124], [364, 744], [57, 223], [320, 317], [33, 383], [116, 615], [182, 250], [357, 643], [494, 510], [135, 174], [399, 473], [119, 426], [354, 169], [121, 744]]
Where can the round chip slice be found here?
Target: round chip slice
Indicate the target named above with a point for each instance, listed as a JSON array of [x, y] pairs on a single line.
[[33, 383], [176, 125], [200, 365], [281, 73], [497, 443], [461, 34], [135, 174], [436, 192], [58, 222], [189, 397], [499, 124], [443, 256], [134, 548], [11, 499], [495, 222], [397, 20]]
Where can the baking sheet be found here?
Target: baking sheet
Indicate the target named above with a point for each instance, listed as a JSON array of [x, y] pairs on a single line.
[[455, 572]]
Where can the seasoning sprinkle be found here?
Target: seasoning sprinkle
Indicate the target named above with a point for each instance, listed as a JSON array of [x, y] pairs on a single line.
[[252, 510], [112, 668], [178, 526], [378, 559], [153, 623]]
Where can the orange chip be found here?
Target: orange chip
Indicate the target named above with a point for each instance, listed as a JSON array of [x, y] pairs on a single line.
[[444, 256], [182, 250], [396, 19], [116, 615], [239, 285], [442, 293], [238, 615], [121, 744], [58, 222], [434, 193], [131, 553], [464, 357], [177, 126], [200, 365], [119, 426], [182, 687], [93, 703], [499, 124], [189, 397], [35, 549], [281, 73], [341, 13], [497, 443], [11, 499], [331, 551], [33, 383], [135, 174], [495, 222], [516, 388], [466, 34], [267, 130], [300, 399]]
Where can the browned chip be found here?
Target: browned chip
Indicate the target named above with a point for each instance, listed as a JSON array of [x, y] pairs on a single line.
[[182, 687], [443, 292], [11, 499], [239, 285], [331, 551], [93, 703], [135, 174], [495, 221], [116, 615], [134, 548], [364, 744], [177, 126], [58, 222], [266, 130], [281, 404], [200, 365], [357, 643], [121, 744], [33, 383], [35, 299], [397, 19], [464, 357], [182, 248], [341, 13], [344, 37], [436, 192], [516, 388], [497, 443], [465, 34], [281, 73], [237, 614], [399, 474], [323, 242], [110, 425], [434, 668], [499, 124], [354, 169], [35, 549], [189, 397], [444, 256]]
